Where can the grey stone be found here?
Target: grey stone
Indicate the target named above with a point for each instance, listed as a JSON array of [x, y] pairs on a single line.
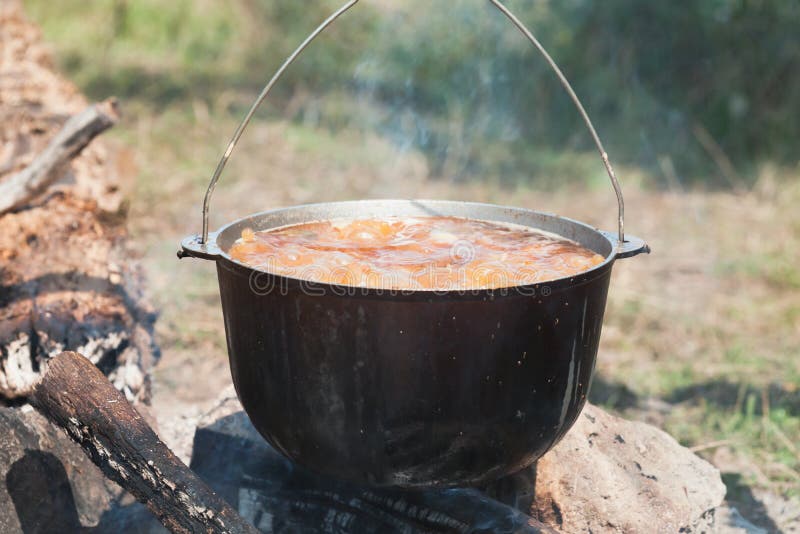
[[613, 475]]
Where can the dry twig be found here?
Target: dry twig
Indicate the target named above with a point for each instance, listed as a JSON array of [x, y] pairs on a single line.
[[74, 136]]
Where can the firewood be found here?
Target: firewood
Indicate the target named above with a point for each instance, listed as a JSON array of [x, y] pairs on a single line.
[[74, 394], [74, 136]]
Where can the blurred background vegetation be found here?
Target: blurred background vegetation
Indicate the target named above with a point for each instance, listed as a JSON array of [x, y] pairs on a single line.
[[694, 92], [697, 101]]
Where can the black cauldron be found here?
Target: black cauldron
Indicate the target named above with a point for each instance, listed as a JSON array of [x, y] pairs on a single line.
[[411, 388]]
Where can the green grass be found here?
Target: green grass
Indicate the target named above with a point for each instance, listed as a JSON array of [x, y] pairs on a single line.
[[147, 50], [764, 433], [777, 268]]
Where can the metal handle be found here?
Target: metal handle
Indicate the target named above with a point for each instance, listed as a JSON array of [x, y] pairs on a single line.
[[525, 31]]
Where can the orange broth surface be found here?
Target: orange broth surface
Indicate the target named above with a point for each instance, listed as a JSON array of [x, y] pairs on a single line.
[[407, 253]]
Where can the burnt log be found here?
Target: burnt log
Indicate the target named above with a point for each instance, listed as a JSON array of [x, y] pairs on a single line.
[[48, 485], [66, 278], [66, 281], [40, 491], [77, 396]]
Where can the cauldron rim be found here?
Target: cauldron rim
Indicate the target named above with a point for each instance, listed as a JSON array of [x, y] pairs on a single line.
[[215, 251]]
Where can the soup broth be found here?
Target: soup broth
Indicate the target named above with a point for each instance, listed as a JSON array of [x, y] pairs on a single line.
[[408, 253]]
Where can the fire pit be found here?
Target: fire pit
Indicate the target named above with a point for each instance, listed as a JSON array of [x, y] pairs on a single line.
[[411, 388]]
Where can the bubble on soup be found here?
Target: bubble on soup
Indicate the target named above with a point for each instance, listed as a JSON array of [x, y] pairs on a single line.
[[440, 253]]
